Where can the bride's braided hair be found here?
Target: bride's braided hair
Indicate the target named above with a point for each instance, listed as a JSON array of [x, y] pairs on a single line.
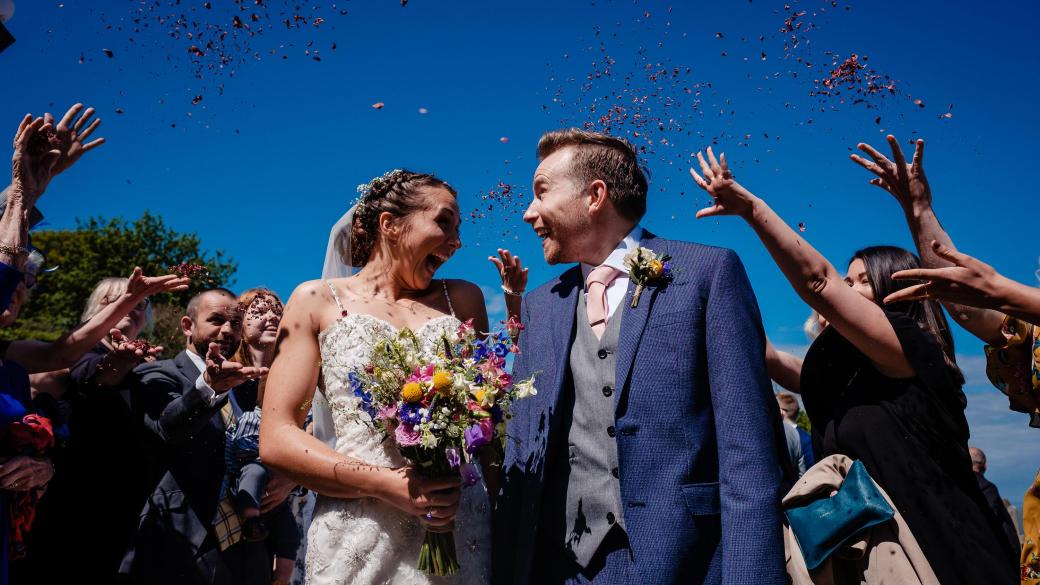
[[398, 193]]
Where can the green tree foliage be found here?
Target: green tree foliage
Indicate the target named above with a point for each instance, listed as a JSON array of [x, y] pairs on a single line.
[[98, 248]]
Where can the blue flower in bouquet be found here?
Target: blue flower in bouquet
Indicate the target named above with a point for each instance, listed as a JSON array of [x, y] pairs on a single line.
[[496, 413], [480, 351], [358, 386], [501, 350], [410, 413]]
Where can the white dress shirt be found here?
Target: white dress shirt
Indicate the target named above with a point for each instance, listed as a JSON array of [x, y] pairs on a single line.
[[617, 289], [207, 392]]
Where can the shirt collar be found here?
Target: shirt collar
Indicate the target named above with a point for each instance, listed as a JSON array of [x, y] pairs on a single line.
[[197, 360], [616, 259]]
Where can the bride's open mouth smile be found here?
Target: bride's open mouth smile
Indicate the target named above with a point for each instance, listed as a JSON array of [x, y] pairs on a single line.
[[435, 261]]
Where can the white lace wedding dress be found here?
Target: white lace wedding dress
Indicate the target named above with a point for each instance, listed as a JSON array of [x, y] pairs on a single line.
[[365, 541]]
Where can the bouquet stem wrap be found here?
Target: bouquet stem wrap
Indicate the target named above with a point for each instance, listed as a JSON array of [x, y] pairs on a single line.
[[437, 553]]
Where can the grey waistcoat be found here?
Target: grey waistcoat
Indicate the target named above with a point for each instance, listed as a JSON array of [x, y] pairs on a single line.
[[593, 504]]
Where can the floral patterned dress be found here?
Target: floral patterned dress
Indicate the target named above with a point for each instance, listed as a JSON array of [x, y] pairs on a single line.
[[1015, 370]]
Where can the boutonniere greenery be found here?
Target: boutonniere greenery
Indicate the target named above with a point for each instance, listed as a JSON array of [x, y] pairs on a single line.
[[647, 268]]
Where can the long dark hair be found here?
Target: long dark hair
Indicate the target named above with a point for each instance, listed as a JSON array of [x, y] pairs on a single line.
[[880, 263]]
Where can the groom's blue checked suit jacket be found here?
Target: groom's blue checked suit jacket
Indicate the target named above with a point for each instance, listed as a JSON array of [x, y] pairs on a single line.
[[695, 418]]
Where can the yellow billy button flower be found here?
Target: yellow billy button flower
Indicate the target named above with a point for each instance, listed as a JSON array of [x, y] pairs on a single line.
[[412, 392], [442, 381], [655, 268], [479, 395]]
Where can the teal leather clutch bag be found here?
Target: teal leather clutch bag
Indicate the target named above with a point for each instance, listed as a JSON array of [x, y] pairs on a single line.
[[825, 525]]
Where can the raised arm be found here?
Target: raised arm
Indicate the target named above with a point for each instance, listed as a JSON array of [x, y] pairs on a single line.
[[813, 278], [970, 282], [514, 281], [909, 186], [32, 167], [784, 368], [39, 356]]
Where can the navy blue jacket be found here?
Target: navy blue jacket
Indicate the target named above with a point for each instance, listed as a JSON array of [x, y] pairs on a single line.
[[696, 426]]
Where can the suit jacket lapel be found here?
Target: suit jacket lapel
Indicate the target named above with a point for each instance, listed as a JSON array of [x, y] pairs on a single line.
[[634, 322], [186, 366]]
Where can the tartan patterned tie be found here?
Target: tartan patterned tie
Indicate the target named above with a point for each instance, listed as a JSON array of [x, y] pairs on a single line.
[[226, 524]]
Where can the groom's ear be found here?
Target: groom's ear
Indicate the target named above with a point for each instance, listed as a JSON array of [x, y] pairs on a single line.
[[597, 194]]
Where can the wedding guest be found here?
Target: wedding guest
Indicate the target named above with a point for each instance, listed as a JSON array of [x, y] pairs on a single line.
[[247, 476], [24, 470], [992, 494], [996, 310], [790, 410], [103, 421], [888, 375], [33, 168], [188, 531]]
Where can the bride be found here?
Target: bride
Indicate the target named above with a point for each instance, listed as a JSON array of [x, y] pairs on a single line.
[[372, 508]]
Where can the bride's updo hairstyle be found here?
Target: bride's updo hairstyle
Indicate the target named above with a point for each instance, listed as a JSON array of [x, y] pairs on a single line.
[[398, 193]]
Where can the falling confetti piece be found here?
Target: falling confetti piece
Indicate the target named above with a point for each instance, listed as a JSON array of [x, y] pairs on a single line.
[[119, 110], [504, 139], [424, 111], [801, 226], [108, 53], [196, 100], [378, 106], [919, 103]]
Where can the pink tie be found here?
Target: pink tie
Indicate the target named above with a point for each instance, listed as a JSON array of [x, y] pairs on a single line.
[[596, 299]]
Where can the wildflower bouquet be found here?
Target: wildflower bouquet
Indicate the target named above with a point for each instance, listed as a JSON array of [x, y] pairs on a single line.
[[440, 409]]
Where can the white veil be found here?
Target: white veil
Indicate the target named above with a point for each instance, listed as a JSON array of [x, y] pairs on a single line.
[[337, 265]]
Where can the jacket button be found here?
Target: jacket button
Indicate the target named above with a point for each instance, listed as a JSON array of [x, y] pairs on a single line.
[[610, 518], [615, 473], [602, 354], [610, 431], [607, 391]]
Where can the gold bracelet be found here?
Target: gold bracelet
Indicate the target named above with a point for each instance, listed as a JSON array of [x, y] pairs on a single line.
[[13, 250]]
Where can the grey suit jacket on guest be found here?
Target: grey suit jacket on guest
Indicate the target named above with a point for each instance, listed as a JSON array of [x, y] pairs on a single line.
[[175, 542]]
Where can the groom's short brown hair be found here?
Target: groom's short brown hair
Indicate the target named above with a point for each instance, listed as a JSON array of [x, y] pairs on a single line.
[[607, 158]]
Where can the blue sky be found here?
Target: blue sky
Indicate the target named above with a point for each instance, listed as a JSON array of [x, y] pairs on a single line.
[[268, 159]]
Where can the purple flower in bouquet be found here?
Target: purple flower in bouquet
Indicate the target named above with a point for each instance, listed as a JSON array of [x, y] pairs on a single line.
[[470, 474], [453, 457], [477, 435], [406, 435]]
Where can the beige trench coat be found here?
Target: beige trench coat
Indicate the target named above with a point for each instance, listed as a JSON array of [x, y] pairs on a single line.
[[886, 554]]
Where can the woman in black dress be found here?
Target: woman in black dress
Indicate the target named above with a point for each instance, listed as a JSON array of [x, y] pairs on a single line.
[[880, 385]]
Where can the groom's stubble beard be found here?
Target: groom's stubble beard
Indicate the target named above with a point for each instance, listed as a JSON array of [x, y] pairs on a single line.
[[567, 241]]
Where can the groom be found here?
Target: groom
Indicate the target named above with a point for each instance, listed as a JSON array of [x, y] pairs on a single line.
[[648, 454]]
